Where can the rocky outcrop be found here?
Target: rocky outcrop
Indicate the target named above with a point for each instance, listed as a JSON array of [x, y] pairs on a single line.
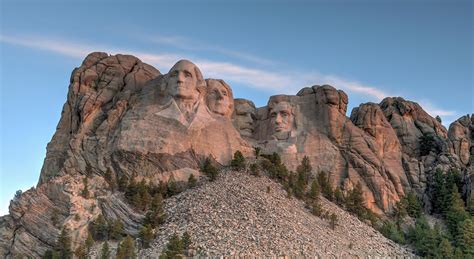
[[123, 118]]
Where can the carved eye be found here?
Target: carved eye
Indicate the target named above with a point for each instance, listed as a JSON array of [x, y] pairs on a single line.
[[273, 114], [188, 74], [174, 74]]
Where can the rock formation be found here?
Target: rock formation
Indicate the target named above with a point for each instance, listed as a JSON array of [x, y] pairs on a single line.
[[123, 117]]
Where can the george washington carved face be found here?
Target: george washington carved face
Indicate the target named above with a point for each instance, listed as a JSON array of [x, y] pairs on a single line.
[[183, 80]]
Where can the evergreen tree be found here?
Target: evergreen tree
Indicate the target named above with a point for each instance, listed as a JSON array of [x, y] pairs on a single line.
[[257, 151], [238, 162], [439, 193], [355, 201], [465, 237], [456, 213], [85, 191], [428, 144], [156, 216], [333, 221], [126, 249], [173, 187], [146, 200], [116, 230], [305, 169], [99, 228], [315, 190], [192, 181], [209, 170], [63, 244], [445, 249], [254, 170], [413, 205], [123, 183], [174, 248], [105, 251], [81, 252], [326, 188], [470, 206], [338, 196], [393, 232], [89, 242], [438, 118], [316, 208], [300, 185], [186, 239], [146, 235]]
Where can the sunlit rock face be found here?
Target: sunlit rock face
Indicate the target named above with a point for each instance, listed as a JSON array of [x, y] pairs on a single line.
[[123, 117]]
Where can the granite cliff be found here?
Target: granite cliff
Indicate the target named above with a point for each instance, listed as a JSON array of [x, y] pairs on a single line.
[[123, 117]]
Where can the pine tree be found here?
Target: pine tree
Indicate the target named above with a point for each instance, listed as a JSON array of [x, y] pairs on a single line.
[[326, 188], [123, 183], [355, 201], [338, 196], [99, 228], [105, 251], [89, 242], [305, 169], [316, 208], [85, 191], [238, 162], [116, 229], [209, 170], [256, 151], [333, 221], [445, 249], [156, 216], [186, 239], [456, 213], [414, 205], [192, 181], [126, 249], [174, 248], [254, 170], [146, 235], [315, 190], [465, 237], [81, 252], [63, 245]]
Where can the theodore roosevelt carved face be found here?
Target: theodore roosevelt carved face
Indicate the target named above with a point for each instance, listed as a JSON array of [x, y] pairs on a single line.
[[245, 115]]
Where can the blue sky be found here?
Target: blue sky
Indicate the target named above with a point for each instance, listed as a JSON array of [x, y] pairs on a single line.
[[421, 50]]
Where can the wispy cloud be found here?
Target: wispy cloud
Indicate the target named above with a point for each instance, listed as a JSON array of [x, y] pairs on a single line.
[[190, 44], [272, 81]]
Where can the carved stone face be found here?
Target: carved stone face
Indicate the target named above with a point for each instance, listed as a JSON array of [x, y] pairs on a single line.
[[218, 98], [244, 118], [281, 117], [182, 81]]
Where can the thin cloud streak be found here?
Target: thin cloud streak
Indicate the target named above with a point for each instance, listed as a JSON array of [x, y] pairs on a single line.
[[271, 81], [189, 44]]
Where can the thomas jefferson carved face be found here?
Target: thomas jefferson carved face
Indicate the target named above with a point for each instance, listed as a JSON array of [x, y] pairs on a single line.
[[219, 97], [183, 81], [244, 118], [281, 117]]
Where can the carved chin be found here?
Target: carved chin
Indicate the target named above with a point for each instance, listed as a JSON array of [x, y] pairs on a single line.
[[246, 132]]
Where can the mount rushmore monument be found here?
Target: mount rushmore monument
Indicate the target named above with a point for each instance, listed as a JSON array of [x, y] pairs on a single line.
[[124, 117]]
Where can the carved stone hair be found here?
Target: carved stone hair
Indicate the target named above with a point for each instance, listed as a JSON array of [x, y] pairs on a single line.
[[200, 83]]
